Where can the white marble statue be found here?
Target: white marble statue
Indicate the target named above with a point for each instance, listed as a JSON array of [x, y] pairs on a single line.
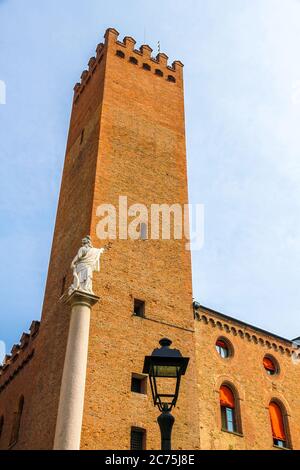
[[86, 262]]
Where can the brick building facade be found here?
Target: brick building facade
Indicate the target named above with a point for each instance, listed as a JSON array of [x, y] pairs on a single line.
[[127, 138]]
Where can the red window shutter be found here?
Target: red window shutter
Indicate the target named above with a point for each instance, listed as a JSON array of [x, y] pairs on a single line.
[[221, 344], [268, 364], [227, 397], [277, 422]]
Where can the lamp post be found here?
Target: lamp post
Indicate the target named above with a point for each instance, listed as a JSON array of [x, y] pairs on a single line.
[[165, 367]]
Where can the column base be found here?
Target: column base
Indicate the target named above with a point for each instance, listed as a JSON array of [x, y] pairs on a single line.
[[79, 297]]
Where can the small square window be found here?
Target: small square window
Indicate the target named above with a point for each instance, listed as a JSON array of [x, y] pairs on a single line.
[[139, 308], [139, 384], [138, 439]]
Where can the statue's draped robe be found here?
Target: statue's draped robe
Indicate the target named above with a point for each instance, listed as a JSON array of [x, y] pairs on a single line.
[[86, 262]]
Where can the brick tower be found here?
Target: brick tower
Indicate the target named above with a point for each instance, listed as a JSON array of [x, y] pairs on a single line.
[[132, 109], [126, 138]]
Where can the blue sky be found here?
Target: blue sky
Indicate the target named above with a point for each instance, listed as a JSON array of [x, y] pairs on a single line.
[[242, 79]]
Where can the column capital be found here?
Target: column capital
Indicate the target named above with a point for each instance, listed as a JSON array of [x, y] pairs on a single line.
[[78, 297]]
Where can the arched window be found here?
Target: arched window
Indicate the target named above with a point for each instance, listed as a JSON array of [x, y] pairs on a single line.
[[229, 411], [120, 54], [133, 60], [278, 425], [223, 348], [159, 73], [17, 422], [171, 79]]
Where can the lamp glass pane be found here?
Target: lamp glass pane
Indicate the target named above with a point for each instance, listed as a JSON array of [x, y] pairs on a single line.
[[166, 371], [166, 388]]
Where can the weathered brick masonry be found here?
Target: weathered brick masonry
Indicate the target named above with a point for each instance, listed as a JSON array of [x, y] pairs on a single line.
[[127, 138]]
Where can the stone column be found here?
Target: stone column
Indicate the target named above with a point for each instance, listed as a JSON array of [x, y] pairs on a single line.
[[71, 401]]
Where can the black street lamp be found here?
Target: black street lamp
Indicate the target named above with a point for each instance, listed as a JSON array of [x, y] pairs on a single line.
[[165, 367]]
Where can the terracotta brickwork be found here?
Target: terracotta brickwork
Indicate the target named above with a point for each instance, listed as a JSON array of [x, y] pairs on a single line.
[[141, 156], [72, 223], [245, 372], [127, 138]]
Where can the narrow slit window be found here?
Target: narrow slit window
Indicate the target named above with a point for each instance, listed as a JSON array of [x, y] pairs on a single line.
[[63, 285], [1, 425], [82, 137], [139, 308]]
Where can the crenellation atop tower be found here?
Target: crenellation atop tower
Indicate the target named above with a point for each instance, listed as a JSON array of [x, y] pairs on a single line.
[[129, 42], [19, 356], [162, 59], [146, 51], [84, 76], [92, 63], [126, 49]]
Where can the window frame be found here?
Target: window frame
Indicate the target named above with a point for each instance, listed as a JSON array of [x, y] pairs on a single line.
[[143, 383], [275, 363], [229, 348], [236, 412], [141, 304], [287, 444], [226, 422], [141, 431]]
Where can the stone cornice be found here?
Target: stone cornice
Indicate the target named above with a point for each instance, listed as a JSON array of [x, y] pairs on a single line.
[[247, 332]]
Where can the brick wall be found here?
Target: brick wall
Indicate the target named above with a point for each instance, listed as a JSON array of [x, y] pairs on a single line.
[[141, 156], [133, 145], [245, 371]]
